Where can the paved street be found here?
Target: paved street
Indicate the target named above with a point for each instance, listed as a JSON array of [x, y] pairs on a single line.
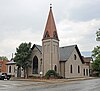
[[85, 85]]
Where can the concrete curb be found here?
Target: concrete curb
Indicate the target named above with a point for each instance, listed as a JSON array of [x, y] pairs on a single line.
[[53, 80]]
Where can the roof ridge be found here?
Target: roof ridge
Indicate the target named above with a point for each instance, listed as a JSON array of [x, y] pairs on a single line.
[[37, 45], [68, 46]]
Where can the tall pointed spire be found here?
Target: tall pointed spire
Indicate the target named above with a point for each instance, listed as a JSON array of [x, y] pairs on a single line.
[[50, 29]]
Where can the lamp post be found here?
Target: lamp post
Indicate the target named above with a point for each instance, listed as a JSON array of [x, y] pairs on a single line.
[[41, 68]]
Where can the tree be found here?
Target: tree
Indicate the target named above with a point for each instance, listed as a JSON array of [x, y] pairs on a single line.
[[3, 58], [22, 57], [96, 62], [96, 55], [98, 35]]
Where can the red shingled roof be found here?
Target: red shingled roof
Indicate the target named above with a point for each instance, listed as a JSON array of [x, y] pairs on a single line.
[[50, 28]]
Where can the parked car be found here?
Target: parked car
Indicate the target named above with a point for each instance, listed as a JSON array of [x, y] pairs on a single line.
[[4, 76]]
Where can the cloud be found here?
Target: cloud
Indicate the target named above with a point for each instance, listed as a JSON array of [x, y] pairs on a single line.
[[12, 39], [24, 21], [81, 33], [86, 11]]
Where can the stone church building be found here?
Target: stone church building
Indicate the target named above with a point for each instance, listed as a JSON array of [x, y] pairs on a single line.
[[66, 60]]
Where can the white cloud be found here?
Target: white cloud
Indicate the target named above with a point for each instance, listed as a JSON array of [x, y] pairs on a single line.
[[24, 21], [80, 33], [14, 38]]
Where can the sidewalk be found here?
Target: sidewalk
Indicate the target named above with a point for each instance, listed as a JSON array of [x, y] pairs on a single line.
[[53, 80]]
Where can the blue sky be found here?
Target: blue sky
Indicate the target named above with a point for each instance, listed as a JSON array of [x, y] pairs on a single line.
[[86, 54], [24, 21]]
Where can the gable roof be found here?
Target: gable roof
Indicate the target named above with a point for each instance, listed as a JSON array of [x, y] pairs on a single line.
[[38, 47], [10, 62], [66, 51]]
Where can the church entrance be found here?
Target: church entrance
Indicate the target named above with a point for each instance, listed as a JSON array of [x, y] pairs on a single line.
[[35, 65]]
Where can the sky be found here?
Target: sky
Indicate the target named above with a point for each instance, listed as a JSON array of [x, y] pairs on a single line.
[[24, 21]]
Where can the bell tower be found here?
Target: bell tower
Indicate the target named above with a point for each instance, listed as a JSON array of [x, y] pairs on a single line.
[[50, 45]]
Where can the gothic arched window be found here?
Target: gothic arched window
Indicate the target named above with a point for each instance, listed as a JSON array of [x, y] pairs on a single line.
[[75, 57], [55, 68], [55, 35], [35, 65], [46, 35], [78, 69], [71, 69], [84, 72]]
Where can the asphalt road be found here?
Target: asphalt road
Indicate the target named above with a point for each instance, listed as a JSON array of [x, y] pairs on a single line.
[[85, 85]]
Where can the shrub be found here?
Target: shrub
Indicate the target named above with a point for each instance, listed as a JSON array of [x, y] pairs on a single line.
[[51, 74]]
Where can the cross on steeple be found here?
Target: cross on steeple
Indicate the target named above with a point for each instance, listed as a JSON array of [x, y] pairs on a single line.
[[50, 5]]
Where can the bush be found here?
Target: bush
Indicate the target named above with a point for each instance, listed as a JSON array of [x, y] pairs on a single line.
[[51, 74]]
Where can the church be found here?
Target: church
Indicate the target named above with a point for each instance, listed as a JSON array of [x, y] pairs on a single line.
[[66, 61]]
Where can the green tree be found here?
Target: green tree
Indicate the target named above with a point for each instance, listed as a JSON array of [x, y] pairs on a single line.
[[3, 58], [96, 55], [96, 62], [98, 35], [22, 57]]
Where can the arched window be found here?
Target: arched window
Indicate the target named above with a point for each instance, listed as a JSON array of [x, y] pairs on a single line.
[[55, 68], [9, 69], [78, 69], [75, 57], [55, 35], [84, 72], [46, 34], [35, 65], [71, 69]]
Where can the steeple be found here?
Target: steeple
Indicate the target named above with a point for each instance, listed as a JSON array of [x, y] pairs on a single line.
[[50, 29], [50, 45]]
